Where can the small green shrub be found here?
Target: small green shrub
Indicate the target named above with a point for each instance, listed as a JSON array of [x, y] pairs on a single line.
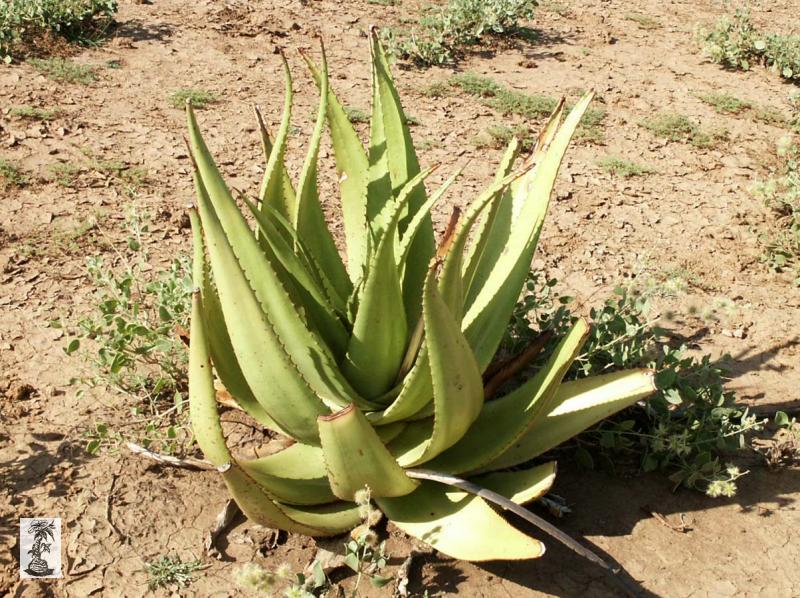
[[445, 31], [529, 106], [643, 21], [82, 21], [171, 571], [725, 103], [736, 43], [687, 430], [64, 70], [622, 167], [200, 98], [132, 343], [781, 193], [356, 115], [11, 174], [679, 127], [32, 113]]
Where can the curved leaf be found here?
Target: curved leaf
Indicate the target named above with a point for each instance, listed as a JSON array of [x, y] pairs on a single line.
[[356, 457], [459, 525]]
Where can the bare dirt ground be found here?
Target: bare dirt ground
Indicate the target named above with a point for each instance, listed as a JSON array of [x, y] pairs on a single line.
[[694, 215]]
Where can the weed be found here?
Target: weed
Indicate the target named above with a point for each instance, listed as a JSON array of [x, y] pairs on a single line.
[[200, 98], [32, 113], [781, 193], [437, 89], [737, 44], [643, 21], [364, 554], [499, 136], [444, 32], [65, 173], [687, 429], [170, 571], [725, 103], [23, 21], [529, 106], [356, 115], [135, 346], [556, 8], [622, 167], [64, 70], [11, 174], [679, 127], [384, 2], [769, 115]]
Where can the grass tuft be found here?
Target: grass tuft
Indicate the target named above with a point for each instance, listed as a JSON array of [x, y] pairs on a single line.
[[623, 168], [643, 21], [171, 571], [679, 127], [42, 114], [200, 98], [64, 70], [725, 103], [356, 115], [11, 174]]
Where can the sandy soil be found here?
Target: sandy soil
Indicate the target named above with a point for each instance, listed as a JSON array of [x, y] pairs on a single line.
[[693, 216]]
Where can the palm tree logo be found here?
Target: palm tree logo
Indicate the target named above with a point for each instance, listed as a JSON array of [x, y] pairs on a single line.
[[42, 530]]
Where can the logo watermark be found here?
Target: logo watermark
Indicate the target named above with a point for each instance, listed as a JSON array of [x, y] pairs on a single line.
[[40, 548]]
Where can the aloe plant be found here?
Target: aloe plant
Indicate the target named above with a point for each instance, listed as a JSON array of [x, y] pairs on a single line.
[[375, 365]]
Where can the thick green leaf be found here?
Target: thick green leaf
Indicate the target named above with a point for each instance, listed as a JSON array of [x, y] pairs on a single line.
[[276, 188], [219, 342], [578, 405], [333, 519], [312, 296], [352, 168], [312, 357], [493, 231], [523, 485], [295, 475], [202, 396], [504, 421], [380, 330], [488, 316], [403, 165], [356, 457], [459, 525], [456, 379], [309, 219], [270, 373], [258, 505]]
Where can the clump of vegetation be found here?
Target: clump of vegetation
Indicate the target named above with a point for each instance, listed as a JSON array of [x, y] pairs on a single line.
[[725, 103], [443, 33], [781, 193], [328, 349], [736, 43], [64, 70], [171, 571], [133, 342], [623, 167], [364, 554], [499, 136], [33, 113], [529, 106], [679, 127], [12, 174], [643, 21], [65, 173], [356, 115], [23, 21], [200, 98], [687, 430]]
